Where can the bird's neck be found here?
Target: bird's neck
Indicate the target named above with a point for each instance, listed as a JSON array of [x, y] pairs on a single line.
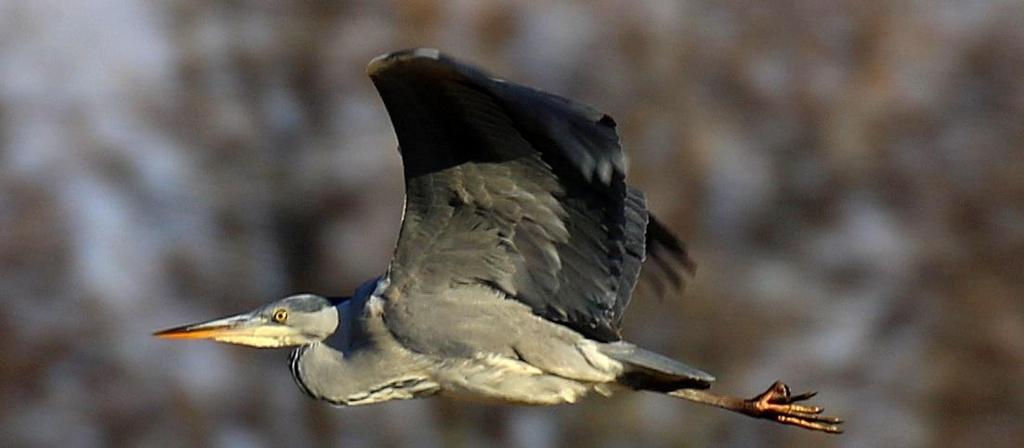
[[323, 373], [374, 370], [294, 360]]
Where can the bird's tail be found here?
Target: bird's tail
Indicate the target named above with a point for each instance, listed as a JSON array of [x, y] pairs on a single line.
[[646, 370]]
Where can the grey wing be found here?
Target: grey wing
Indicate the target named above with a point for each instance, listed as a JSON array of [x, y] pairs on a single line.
[[514, 189]]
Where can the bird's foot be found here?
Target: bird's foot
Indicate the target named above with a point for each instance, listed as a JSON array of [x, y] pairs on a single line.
[[778, 404]]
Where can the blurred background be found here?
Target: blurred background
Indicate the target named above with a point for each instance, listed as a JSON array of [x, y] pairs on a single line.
[[849, 176]]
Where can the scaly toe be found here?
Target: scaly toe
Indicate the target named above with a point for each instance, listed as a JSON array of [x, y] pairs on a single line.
[[806, 409], [813, 425]]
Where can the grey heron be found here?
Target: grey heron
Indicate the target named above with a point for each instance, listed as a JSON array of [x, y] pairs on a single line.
[[519, 249]]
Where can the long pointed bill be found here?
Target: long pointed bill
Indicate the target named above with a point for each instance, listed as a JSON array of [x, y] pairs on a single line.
[[207, 330], [242, 329]]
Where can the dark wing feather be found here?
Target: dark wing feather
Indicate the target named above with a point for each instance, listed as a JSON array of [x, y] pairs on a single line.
[[514, 189], [667, 264]]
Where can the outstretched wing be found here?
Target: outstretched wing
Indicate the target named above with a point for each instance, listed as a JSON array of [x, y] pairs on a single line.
[[517, 190]]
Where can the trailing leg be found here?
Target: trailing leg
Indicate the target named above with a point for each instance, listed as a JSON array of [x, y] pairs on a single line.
[[776, 404]]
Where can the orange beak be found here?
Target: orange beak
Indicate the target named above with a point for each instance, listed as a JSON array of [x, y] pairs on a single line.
[[213, 329], [250, 329], [186, 332]]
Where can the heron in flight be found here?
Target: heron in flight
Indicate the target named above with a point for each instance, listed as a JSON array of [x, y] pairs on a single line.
[[520, 246]]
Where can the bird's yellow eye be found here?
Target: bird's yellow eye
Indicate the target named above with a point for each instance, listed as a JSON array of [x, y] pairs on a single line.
[[280, 316]]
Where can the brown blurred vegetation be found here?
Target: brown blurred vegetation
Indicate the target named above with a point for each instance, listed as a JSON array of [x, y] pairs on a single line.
[[849, 176]]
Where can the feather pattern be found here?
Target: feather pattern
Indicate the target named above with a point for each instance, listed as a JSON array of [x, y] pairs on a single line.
[[517, 190]]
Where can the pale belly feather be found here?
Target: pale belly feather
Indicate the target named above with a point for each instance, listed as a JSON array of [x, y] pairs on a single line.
[[498, 379]]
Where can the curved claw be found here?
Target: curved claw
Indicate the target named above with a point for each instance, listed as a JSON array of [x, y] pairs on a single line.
[[803, 396], [778, 404]]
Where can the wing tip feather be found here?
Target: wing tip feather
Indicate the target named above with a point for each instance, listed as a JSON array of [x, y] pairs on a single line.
[[381, 63]]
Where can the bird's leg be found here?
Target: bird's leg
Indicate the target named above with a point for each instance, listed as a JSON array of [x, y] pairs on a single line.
[[775, 404]]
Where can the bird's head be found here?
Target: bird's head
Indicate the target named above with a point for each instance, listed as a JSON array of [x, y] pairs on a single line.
[[292, 321]]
